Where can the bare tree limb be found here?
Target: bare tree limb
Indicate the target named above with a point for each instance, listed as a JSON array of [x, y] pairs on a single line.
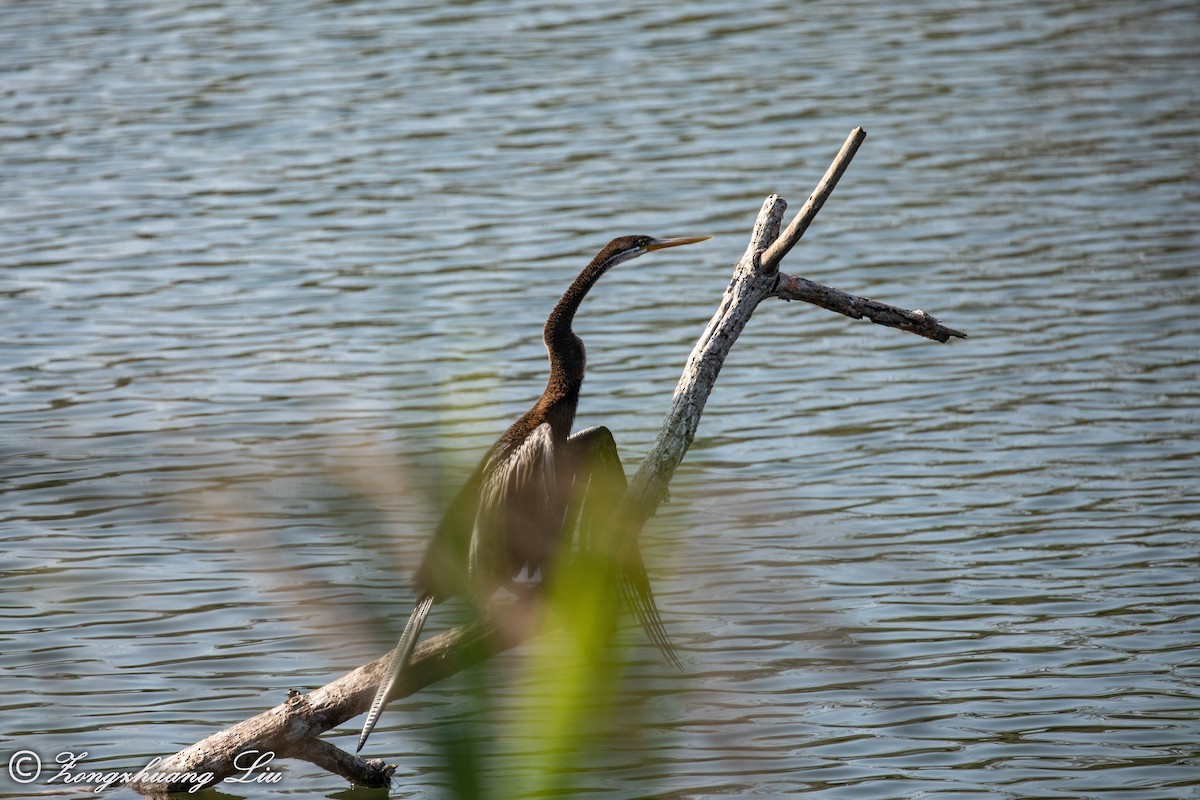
[[748, 288], [791, 287], [290, 729], [781, 246]]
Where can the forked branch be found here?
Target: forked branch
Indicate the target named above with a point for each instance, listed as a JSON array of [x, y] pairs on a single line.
[[290, 730]]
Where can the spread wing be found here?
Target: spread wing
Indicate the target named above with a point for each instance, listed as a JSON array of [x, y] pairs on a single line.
[[518, 522], [600, 484]]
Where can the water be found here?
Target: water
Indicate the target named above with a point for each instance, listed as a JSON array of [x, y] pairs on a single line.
[[273, 275]]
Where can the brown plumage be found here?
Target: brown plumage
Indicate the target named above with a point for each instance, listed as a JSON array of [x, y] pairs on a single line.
[[515, 513]]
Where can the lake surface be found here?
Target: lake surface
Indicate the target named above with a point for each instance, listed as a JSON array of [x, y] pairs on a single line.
[[273, 276]]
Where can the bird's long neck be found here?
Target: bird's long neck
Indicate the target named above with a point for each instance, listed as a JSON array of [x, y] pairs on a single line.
[[567, 355]]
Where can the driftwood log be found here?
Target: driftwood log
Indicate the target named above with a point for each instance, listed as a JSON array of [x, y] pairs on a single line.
[[291, 729]]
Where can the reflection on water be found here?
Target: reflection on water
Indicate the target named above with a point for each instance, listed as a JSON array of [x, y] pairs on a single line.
[[273, 275]]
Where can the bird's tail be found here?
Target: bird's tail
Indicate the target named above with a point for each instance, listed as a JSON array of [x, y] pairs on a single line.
[[395, 665]]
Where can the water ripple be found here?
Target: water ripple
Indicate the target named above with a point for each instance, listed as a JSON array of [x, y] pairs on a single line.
[[274, 275]]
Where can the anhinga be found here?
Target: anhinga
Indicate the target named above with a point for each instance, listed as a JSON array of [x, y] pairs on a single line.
[[516, 512]]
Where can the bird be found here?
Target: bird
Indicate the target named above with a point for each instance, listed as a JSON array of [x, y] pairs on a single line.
[[515, 513]]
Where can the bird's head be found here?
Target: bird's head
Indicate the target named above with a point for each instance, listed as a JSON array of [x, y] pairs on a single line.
[[624, 248]]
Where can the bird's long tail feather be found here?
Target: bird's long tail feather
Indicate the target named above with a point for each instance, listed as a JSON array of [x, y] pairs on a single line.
[[395, 665]]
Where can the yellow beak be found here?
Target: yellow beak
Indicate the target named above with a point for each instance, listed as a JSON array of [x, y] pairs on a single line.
[[659, 244]]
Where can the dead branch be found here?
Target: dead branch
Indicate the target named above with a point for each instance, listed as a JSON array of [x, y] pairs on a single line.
[[290, 730], [792, 287], [780, 246]]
